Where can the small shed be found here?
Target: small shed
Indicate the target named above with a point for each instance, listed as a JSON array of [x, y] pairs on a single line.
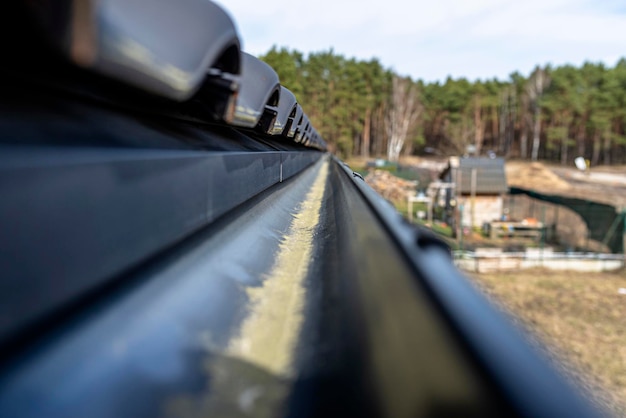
[[479, 188]]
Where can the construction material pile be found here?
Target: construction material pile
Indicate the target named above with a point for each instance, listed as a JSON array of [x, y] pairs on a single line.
[[389, 186]]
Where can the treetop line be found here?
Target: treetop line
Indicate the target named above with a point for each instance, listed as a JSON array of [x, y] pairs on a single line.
[[554, 114]]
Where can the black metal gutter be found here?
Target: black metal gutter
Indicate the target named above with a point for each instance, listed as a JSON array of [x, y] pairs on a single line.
[[384, 324], [162, 339], [503, 356], [73, 218]]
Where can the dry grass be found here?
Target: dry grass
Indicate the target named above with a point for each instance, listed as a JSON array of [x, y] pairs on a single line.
[[581, 320]]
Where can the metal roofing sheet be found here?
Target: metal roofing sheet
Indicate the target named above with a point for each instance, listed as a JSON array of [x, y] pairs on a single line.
[[490, 175]]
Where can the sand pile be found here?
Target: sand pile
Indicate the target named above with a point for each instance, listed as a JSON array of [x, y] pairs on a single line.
[[534, 176]]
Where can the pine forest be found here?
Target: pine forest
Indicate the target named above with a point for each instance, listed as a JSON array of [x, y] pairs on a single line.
[[554, 114]]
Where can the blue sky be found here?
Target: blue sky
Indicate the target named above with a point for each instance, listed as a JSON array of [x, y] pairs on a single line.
[[476, 39]]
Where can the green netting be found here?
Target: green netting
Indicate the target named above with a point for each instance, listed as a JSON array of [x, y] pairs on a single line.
[[605, 222]]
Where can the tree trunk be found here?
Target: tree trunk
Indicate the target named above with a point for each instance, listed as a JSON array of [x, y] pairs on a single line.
[[356, 143], [401, 115], [365, 145], [379, 138], [537, 83], [580, 138], [597, 146], [479, 131], [495, 129], [502, 123], [523, 141], [607, 149], [510, 126], [564, 146], [607, 142], [536, 133]]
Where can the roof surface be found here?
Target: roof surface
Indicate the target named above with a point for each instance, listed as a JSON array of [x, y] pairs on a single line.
[[490, 175]]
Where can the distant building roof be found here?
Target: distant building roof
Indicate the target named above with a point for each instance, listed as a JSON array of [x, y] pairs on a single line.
[[490, 174]]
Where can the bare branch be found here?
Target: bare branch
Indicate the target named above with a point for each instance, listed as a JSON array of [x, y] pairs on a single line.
[[402, 114]]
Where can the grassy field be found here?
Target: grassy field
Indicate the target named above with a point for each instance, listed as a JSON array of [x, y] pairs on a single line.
[[578, 320]]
